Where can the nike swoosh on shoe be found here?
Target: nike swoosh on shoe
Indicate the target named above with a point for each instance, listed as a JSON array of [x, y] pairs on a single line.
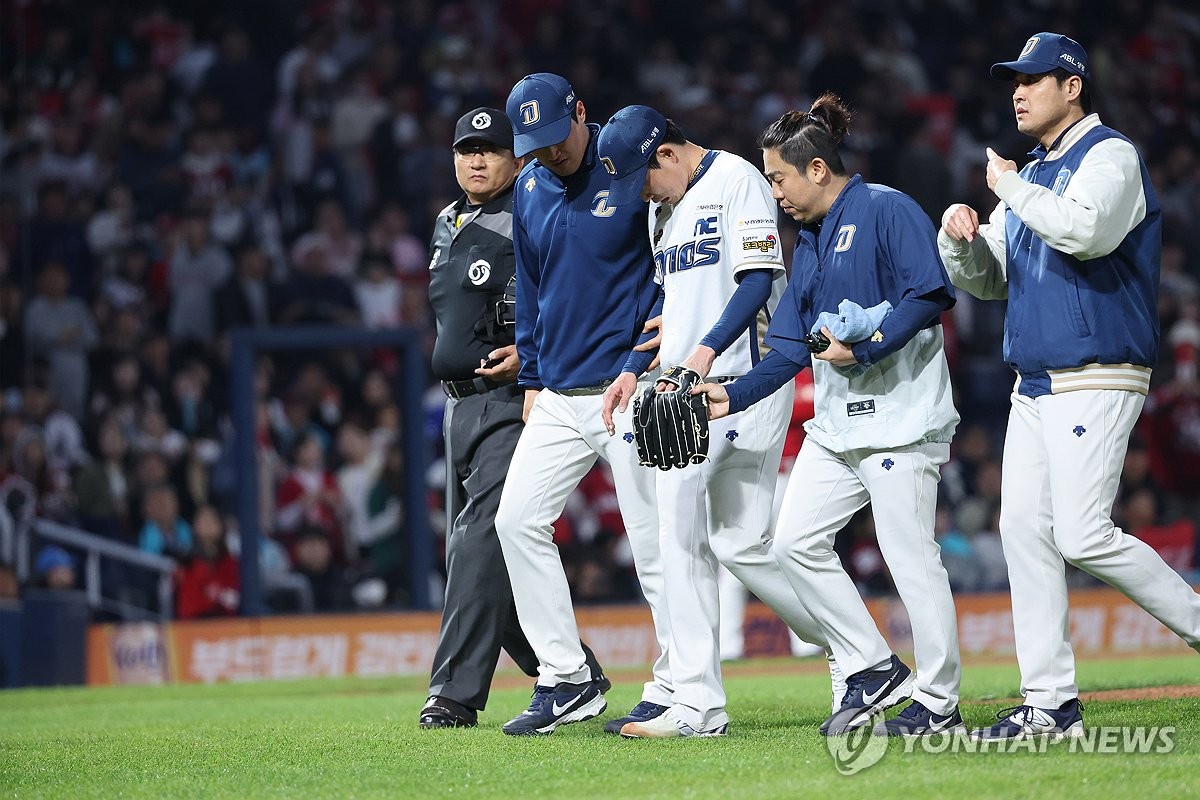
[[869, 700], [557, 710]]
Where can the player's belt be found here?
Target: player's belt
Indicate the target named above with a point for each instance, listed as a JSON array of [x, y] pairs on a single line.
[[460, 389], [581, 391]]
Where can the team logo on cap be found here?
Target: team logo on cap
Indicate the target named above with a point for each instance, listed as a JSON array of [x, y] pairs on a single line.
[[481, 120], [608, 165], [530, 113], [1032, 43]]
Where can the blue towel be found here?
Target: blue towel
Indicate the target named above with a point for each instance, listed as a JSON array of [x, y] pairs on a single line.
[[852, 323]]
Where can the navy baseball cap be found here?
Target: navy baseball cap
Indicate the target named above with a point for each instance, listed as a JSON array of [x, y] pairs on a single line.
[[625, 146], [1046, 52], [539, 108], [485, 125]]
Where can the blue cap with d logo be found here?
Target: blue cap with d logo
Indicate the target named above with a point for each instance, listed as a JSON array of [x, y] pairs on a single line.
[[539, 108], [625, 146], [1046, 52]]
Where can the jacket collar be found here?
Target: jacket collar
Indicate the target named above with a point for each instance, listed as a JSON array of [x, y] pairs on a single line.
[[835, 209], [497, 203], [1067, 139]]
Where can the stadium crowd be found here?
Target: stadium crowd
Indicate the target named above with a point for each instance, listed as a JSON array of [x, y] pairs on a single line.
[[172, 170]]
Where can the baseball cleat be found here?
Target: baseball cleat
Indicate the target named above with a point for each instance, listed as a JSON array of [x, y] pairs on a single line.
[[552, 707], [917, 720], [643, 711], [1028, 722], [668, 726], [869, 693]]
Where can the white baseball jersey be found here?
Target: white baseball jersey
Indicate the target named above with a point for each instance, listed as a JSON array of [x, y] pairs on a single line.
[[720, 510], [724, 224]]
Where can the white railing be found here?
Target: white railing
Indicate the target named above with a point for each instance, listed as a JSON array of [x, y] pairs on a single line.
[[95, 547]]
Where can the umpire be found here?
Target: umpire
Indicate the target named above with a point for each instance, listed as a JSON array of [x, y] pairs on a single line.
[[471, 289]]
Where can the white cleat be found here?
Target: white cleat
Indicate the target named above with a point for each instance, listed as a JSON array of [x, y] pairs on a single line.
[[669, 726]]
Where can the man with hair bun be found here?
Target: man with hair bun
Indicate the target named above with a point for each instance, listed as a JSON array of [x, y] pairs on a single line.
[[862, 309]]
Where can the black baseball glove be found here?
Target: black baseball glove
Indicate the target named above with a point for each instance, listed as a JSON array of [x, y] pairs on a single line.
[[671, 427]]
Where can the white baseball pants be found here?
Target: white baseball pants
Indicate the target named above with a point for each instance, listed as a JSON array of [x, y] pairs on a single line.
[[733, 596], [561, 441], [1063, 456], [720, 511], [824, 492]]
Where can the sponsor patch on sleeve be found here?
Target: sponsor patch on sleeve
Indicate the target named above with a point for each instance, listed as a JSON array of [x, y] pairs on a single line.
[[761, 244]]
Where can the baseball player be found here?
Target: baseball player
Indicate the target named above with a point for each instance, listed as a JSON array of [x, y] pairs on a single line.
[[470, 274], [717, 257], [1074, 244], [584, 292], [883, 423]]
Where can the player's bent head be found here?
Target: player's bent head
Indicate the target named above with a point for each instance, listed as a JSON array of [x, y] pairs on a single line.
[[628, 148], [802, 136]]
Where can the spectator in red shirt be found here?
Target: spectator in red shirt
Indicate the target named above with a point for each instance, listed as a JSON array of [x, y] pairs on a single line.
[[207, 582], [309, 495]]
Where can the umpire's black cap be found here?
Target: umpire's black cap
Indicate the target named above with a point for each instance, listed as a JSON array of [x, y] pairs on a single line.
[[486, 125]]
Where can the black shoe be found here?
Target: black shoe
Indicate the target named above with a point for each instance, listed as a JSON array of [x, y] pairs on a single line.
[[599, 679], [442, 712]]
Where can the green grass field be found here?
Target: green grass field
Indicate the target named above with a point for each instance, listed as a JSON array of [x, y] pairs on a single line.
[[359, 738]]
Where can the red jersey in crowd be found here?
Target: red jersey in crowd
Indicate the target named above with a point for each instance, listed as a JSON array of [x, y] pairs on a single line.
[[207, 588], [1170, 425]]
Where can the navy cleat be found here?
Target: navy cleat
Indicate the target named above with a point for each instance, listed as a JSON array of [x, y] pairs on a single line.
[[869, 693], [917, 720], [1028, 722], [560, 705], [642, 712]]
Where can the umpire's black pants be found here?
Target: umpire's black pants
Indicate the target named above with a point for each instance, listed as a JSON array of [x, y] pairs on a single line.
[[478, 617]]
